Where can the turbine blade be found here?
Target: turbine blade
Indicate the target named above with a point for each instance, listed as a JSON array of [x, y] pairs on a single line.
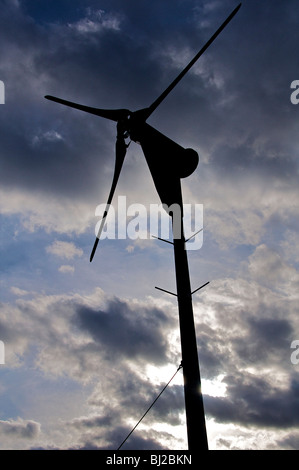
[[94, 249], [120, 153], [112, 114], [159, 100]]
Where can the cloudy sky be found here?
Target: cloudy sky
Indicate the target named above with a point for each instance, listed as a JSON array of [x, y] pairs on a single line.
[[88, 346]]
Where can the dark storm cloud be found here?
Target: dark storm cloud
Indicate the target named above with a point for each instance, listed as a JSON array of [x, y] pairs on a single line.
[[126, 332], [45, 148], [122, 331], [116, 343], [20, 429], [91, 60], [116, 437], [243, 340], [137, 395], [248, 348], [136, 441], [290, 442], [93, 422], [134, 396], [266, 337], [211, 345], [262, 164], [118, 56], [247, 122], [253, 401]]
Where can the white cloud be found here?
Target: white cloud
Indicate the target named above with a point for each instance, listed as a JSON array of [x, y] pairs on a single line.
[[19, 292], [96, 21], [65, 268], [269, 268], [290, 245], [48, 136], [66, 250], [37, 210]]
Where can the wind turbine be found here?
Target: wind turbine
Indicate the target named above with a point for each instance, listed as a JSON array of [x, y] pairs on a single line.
[[168, 163]]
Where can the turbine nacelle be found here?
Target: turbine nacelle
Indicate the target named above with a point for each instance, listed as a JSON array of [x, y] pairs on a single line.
[[174, 159]]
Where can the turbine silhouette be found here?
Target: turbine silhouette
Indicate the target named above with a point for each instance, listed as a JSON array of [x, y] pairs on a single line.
[[168, 163]]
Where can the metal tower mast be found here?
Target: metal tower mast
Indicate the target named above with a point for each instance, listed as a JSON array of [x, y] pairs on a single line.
[[195, 416]]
